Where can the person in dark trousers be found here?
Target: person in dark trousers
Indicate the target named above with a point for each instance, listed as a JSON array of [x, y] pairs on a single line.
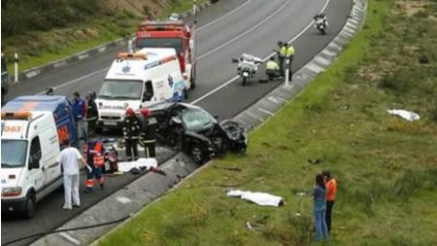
[[281, 57], [92, 114], [95, 159], [79, 113], [148, 133], [131, 133], [331, 192]]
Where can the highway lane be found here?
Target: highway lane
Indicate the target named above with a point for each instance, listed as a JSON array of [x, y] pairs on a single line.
[[214, 70]]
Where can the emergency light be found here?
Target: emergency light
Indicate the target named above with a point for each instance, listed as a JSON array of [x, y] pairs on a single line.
[[19, 115], [131, 56]]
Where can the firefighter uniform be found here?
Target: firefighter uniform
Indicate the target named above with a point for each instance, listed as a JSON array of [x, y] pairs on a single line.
[[131, 133], [148, 133], [95, 160], [92, 114]]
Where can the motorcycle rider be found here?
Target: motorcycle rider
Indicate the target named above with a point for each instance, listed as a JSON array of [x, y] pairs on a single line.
[[148, 133], [95, 160], [320, 19], [289, 54], [281, 58], [272, 69], [131, 133], [92, 113]]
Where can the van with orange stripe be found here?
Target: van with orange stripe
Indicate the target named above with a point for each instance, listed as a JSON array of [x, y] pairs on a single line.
[[32, 130], [135, 80]]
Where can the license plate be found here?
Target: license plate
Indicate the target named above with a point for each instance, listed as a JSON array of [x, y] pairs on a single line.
[[110, 123]]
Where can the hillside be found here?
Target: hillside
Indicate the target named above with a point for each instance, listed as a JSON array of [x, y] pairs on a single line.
[[41, 31]]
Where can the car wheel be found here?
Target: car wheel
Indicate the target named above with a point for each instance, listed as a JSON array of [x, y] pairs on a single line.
[[197, 154], [185, 94], [193, 79], [30, 206]]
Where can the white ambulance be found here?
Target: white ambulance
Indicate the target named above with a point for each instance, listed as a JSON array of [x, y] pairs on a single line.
[[135, 80]]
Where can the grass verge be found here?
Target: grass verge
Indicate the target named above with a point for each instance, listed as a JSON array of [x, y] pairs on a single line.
[[38, 48], [386, 167]]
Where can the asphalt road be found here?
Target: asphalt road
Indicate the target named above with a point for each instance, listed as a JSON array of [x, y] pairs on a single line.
[[226, 30]]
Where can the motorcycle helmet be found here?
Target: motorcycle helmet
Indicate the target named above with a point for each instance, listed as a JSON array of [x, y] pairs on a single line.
[[280, 43], [130, 112]]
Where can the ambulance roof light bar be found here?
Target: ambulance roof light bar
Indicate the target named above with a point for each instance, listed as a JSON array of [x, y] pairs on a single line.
[[17, 115], [131, 56]]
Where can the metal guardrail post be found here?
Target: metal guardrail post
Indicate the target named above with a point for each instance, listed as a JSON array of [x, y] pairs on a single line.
[[15, 67]]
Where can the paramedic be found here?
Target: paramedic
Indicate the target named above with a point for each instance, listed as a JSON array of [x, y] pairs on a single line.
[[95, 160]]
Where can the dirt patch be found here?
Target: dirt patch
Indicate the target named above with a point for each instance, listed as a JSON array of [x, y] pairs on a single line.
[[412, 7]]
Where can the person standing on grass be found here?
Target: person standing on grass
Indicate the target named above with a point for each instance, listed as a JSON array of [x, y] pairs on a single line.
[[331, 191], [319, 196]]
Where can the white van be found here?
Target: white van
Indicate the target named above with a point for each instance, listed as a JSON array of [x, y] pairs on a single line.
[[29, 144], [141, 79]]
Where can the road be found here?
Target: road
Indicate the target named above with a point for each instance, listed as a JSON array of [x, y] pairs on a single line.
[[226, 30]]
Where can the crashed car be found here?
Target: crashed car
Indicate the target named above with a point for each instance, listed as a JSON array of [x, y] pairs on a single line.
[[196, 132]]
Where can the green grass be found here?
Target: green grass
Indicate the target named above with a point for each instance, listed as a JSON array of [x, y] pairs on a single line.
[[38, 48], [386, 167]]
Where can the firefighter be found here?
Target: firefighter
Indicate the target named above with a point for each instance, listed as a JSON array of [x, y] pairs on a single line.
[[148, 133], [95, 160], [92, 114], [131, 133]]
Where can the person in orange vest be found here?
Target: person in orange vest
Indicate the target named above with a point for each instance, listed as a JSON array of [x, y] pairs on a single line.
[[95, 160], [331, 192]]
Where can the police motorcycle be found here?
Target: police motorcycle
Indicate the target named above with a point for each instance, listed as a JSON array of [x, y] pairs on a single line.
[[321, 23], [247, 66]]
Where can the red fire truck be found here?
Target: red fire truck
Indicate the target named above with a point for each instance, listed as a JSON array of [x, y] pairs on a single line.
[[175, 34]]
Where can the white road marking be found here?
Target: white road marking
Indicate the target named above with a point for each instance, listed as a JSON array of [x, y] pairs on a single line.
[[69, 238], [223, 16], [265, 59], [123, 199], [244, 33]]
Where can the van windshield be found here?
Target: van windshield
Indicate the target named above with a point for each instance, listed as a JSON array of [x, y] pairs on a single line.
[[175, 43], [13, 153], [121, 89]]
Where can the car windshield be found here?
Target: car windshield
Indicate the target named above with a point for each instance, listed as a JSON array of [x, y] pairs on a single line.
[[175, 43], [121, 89], [196, 120], [13, 153]]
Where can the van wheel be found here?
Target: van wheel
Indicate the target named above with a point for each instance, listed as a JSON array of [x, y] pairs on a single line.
[[30, 211]]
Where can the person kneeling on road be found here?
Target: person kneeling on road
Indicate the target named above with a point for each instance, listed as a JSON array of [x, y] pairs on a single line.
[[272, 69], [95, 160], [131, 133], [148, 133]]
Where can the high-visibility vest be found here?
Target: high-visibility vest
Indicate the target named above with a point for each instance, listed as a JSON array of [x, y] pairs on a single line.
[[98, 158], [271, 65], [289, 52], [282, 51]]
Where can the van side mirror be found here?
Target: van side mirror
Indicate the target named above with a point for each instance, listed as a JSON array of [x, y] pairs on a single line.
[[235, 60]]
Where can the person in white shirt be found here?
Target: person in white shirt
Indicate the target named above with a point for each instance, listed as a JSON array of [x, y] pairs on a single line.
[[70, 158]]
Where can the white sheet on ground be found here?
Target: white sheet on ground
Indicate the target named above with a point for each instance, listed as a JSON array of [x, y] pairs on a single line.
[[408, 115], [141, 162], [260, 198]]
